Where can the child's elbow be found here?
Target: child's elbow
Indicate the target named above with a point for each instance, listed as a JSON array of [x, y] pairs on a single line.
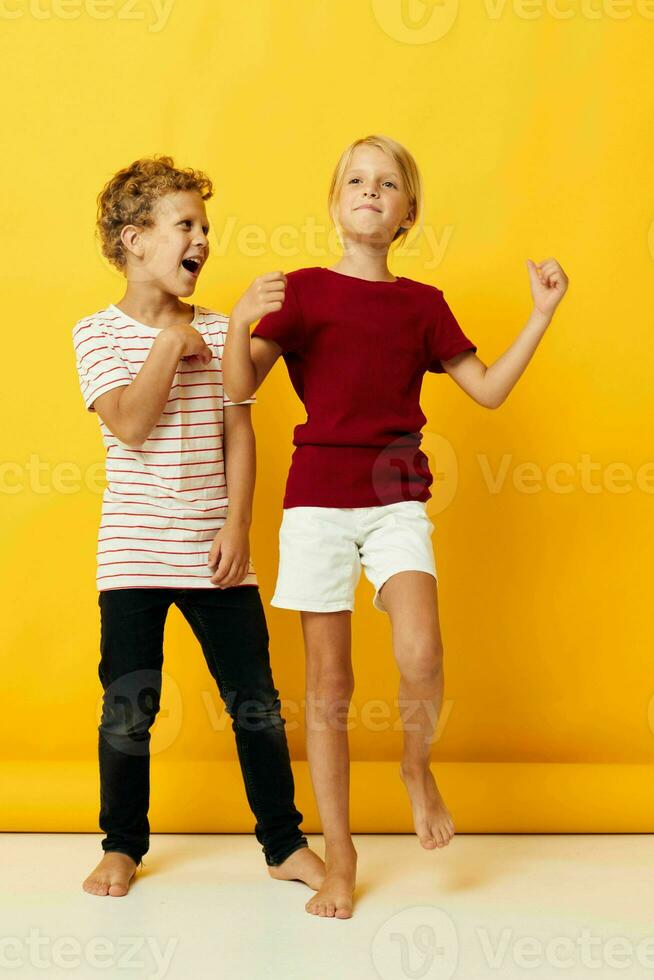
[[489, 399], [134, 444], [131, 439]]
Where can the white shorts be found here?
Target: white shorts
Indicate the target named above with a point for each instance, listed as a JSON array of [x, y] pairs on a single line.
[[322, 549]]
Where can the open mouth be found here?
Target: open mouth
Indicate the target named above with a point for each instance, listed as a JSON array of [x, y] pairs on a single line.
[[192, 265]]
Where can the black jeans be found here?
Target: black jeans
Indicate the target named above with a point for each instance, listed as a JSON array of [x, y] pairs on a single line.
[[230, 625]]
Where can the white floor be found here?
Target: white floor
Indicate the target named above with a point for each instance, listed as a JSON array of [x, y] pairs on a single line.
[[501, 906]]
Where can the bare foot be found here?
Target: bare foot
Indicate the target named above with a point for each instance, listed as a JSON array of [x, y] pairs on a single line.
[[112, 876], [334, 897], [302, 865], [431, 817]]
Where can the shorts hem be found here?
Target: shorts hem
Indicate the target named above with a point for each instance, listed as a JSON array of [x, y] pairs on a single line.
[[310, 605], [377, 600]]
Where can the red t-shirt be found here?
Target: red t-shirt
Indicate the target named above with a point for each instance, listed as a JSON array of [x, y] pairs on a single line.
[[356, 352]]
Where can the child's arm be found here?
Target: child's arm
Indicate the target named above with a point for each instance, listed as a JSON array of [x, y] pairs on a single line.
[[490, 386], [245, 361], [132, 411], [230, 551]]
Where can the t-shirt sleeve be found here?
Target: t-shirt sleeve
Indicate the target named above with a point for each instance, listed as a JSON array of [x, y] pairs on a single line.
[[448, 339], [284, 326], [248, 401], [99, 367], [214, 333]]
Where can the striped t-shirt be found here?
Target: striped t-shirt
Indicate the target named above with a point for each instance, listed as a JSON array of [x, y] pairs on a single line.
[[163, 503]]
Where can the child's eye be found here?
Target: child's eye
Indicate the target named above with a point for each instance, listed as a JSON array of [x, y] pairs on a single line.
[[391, 183], [353, 180]]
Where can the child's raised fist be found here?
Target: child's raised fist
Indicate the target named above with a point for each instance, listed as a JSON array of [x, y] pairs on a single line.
[[548, 284], [264, 295]]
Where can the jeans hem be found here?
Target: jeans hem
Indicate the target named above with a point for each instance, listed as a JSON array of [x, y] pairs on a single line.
[[286, 854], [136, 857]]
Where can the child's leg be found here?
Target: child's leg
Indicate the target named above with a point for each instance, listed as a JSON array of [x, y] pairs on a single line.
[[230, 625], [329, 687], [131, 645], [411, 599]]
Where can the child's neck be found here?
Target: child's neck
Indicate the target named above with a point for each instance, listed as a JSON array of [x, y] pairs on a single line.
[[364, 262], [153, 306]]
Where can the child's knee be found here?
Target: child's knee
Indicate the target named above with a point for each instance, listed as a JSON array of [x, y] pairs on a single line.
[[331, 683], [130, 715], [422, 666], [256, 712]]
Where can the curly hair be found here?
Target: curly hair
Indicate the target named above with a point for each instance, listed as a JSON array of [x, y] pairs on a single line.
[[130, 196]]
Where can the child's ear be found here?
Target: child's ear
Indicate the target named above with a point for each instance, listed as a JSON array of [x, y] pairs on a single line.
[[405, 225], [130, 236], [408, 221]]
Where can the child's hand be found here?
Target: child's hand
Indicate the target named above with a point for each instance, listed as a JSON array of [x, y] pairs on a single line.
[[264, 295], [548, 284], [230, 555], [195, 351]]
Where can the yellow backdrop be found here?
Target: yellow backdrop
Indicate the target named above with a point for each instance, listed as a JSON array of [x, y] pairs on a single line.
[[532, 126]]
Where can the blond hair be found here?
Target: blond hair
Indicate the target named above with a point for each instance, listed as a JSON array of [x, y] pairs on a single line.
[[406, 164], [130, 196]]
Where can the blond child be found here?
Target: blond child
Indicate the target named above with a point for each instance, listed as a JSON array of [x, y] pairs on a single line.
[[357, 341]]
